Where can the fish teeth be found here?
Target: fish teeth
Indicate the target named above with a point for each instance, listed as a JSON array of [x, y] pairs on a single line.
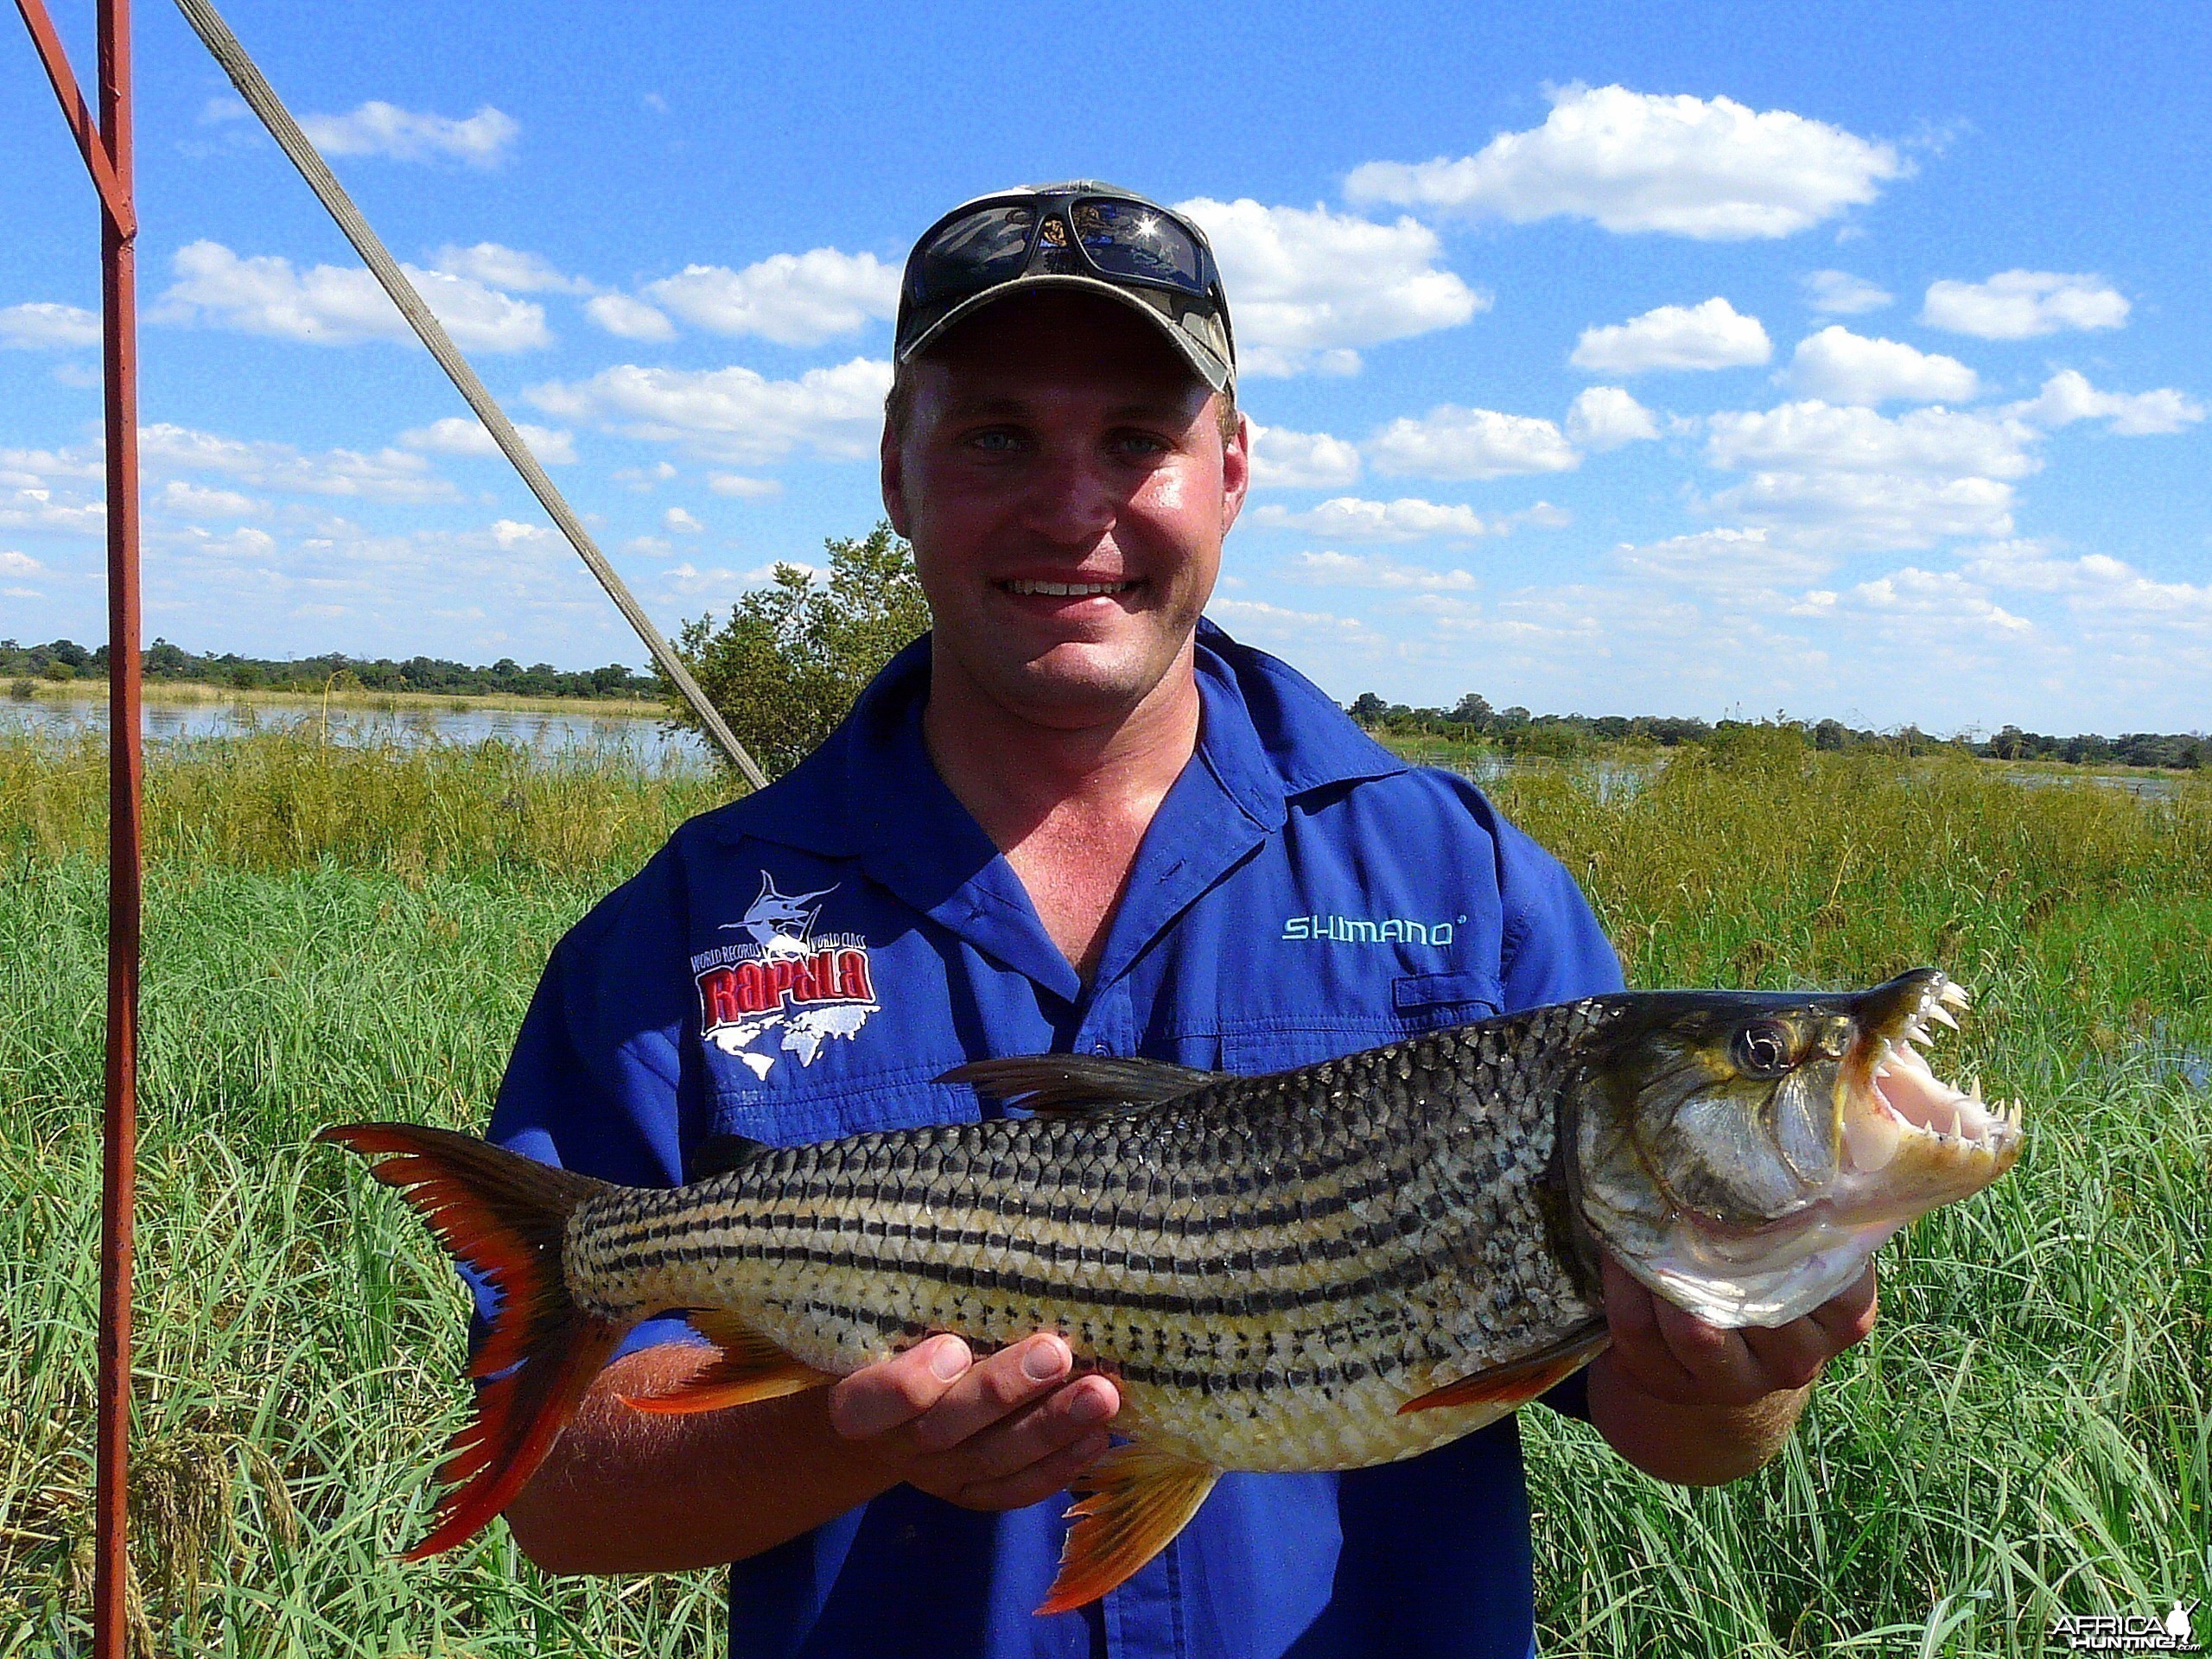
[[1953, 995], [1937, 1012]]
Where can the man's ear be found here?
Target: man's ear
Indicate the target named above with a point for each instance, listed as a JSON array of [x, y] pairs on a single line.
[[894, 471], [1236, 471]]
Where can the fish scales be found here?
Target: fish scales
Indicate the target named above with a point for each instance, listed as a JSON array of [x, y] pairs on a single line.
[[1268, 1267]]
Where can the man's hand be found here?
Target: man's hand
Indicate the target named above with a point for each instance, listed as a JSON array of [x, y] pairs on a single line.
[[1688, 1401], [998, 1434]]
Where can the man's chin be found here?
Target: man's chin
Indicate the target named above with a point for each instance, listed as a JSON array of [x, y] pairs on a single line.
[[1077, 683]]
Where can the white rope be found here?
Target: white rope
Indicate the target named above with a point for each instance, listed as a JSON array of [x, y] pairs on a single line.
[[259, 94]]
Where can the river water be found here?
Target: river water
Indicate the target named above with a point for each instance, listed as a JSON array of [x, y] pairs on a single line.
[[645, 740], [639, 738]]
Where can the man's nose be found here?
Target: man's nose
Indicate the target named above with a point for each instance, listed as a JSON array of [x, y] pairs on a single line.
[[1071, 499]]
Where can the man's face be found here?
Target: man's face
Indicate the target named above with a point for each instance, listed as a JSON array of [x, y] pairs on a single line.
[[1063, 479]]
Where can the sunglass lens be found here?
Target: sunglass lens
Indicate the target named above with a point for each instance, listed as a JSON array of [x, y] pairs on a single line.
[[1126, 239], [987, 246]]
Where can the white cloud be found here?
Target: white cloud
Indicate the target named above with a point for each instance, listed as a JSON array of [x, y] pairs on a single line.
[[1851, 477], [630, 318], [1725, 561], [326, 305], [1815, 435], [644, 478], [183, 499], [1846, 368], [484, 139], [1260, 620], [1300, 461], [734, 415], [1870, 510], [1452, 442], [43, 326], [792, 299], [458, 434], [2022, 304], [15, 563], [1714, 335], [1944, 598], [744, 488], [498, 266], [2068, 396], [1839, 294], [1605, 418], [680, 521], [1710, 168], [387, 475], [1334, 569], [1346, 518], [1310, 288], [2097, 588], [38, 507], [30, 468]]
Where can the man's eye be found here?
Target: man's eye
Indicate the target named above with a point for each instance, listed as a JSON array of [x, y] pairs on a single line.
[[1139, 444], [996, 443]]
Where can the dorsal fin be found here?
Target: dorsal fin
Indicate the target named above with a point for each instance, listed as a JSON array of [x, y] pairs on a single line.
[[718, 1154], [1080, 1083]]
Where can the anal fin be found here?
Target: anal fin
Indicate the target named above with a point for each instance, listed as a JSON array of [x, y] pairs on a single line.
[[1136, 1500], [1510, 1387], [750, 1368]]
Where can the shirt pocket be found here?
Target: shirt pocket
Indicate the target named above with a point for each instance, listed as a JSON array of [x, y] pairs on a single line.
[[831, 1108], [1424, 1002]]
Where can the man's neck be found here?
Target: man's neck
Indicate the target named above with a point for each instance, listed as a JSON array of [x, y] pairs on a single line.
[[1067, 803]]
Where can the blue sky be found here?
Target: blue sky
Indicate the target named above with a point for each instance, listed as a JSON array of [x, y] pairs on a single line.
[[1844, 360]]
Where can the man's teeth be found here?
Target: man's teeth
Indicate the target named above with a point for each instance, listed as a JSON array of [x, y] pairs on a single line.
[[1068, 589]]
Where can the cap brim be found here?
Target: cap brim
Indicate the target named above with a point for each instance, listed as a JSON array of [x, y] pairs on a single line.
[[1209, 367]]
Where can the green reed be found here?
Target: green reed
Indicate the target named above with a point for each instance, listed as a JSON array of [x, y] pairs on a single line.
[[335, 934]]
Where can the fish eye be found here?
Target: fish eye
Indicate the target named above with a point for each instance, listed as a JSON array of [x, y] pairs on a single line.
[[1761, 1050]]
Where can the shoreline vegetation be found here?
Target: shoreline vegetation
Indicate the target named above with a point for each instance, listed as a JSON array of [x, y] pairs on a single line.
[[339, 933]]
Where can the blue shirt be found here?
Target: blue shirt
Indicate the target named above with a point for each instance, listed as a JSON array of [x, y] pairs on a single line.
[[803, 963]]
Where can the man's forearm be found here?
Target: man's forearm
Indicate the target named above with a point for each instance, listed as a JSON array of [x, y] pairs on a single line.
[[1690, 1444], [624, 1492]]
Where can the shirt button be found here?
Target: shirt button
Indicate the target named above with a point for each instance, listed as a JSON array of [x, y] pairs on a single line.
[[1101, 1046]]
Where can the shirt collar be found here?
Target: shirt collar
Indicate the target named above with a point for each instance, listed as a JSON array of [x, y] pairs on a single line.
[[1266, 734]]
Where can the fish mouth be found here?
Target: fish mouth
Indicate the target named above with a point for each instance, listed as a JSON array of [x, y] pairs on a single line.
[[1892, 1104]]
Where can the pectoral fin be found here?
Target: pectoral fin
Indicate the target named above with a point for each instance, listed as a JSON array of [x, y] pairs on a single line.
[[1510, 1387], [1137, 1500], [749, 1367]]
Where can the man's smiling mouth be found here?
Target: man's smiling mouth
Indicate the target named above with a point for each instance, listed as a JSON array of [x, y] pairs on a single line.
[[1067, 589]]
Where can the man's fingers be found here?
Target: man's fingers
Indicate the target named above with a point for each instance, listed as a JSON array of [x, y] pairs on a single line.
[[884, 1396], [1638, 1346], [1039, 1480], [1849, 1315], [1791, 1355], [993, 1389], [1029, 1435], [1719, 1360]]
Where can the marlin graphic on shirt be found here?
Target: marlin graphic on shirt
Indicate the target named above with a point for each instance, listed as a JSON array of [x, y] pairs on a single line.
[[779, 921]]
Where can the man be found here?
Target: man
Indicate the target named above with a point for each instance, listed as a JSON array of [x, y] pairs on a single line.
[[1073, 817]]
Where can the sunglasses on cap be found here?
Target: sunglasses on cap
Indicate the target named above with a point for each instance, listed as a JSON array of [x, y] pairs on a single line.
[[1082, 233]]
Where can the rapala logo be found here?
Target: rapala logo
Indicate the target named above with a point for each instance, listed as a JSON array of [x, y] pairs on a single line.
[[784, 977]]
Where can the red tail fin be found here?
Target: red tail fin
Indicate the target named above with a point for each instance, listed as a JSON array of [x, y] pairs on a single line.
[[503, 1215]]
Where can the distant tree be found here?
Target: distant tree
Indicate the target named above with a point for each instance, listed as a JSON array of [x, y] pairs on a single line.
[[1368, 708], [793, 655], [1473, 709]]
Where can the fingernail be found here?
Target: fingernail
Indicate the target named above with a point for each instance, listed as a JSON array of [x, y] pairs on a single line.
[[1044, 1361], [949, 1359], [1089, 1405]]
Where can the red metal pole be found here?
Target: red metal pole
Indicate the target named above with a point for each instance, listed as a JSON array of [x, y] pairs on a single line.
[[119, 1139]]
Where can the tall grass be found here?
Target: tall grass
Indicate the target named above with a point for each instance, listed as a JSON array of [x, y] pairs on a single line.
[[337, 934]]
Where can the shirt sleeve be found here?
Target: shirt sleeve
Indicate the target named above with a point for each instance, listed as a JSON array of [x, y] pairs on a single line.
[[597, 1081]]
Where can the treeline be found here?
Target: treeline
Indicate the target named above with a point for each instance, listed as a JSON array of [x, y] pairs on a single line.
[[1516, 731], [63, 660]]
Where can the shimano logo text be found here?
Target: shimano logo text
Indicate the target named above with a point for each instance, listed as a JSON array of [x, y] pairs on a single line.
[[1354, 930]]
